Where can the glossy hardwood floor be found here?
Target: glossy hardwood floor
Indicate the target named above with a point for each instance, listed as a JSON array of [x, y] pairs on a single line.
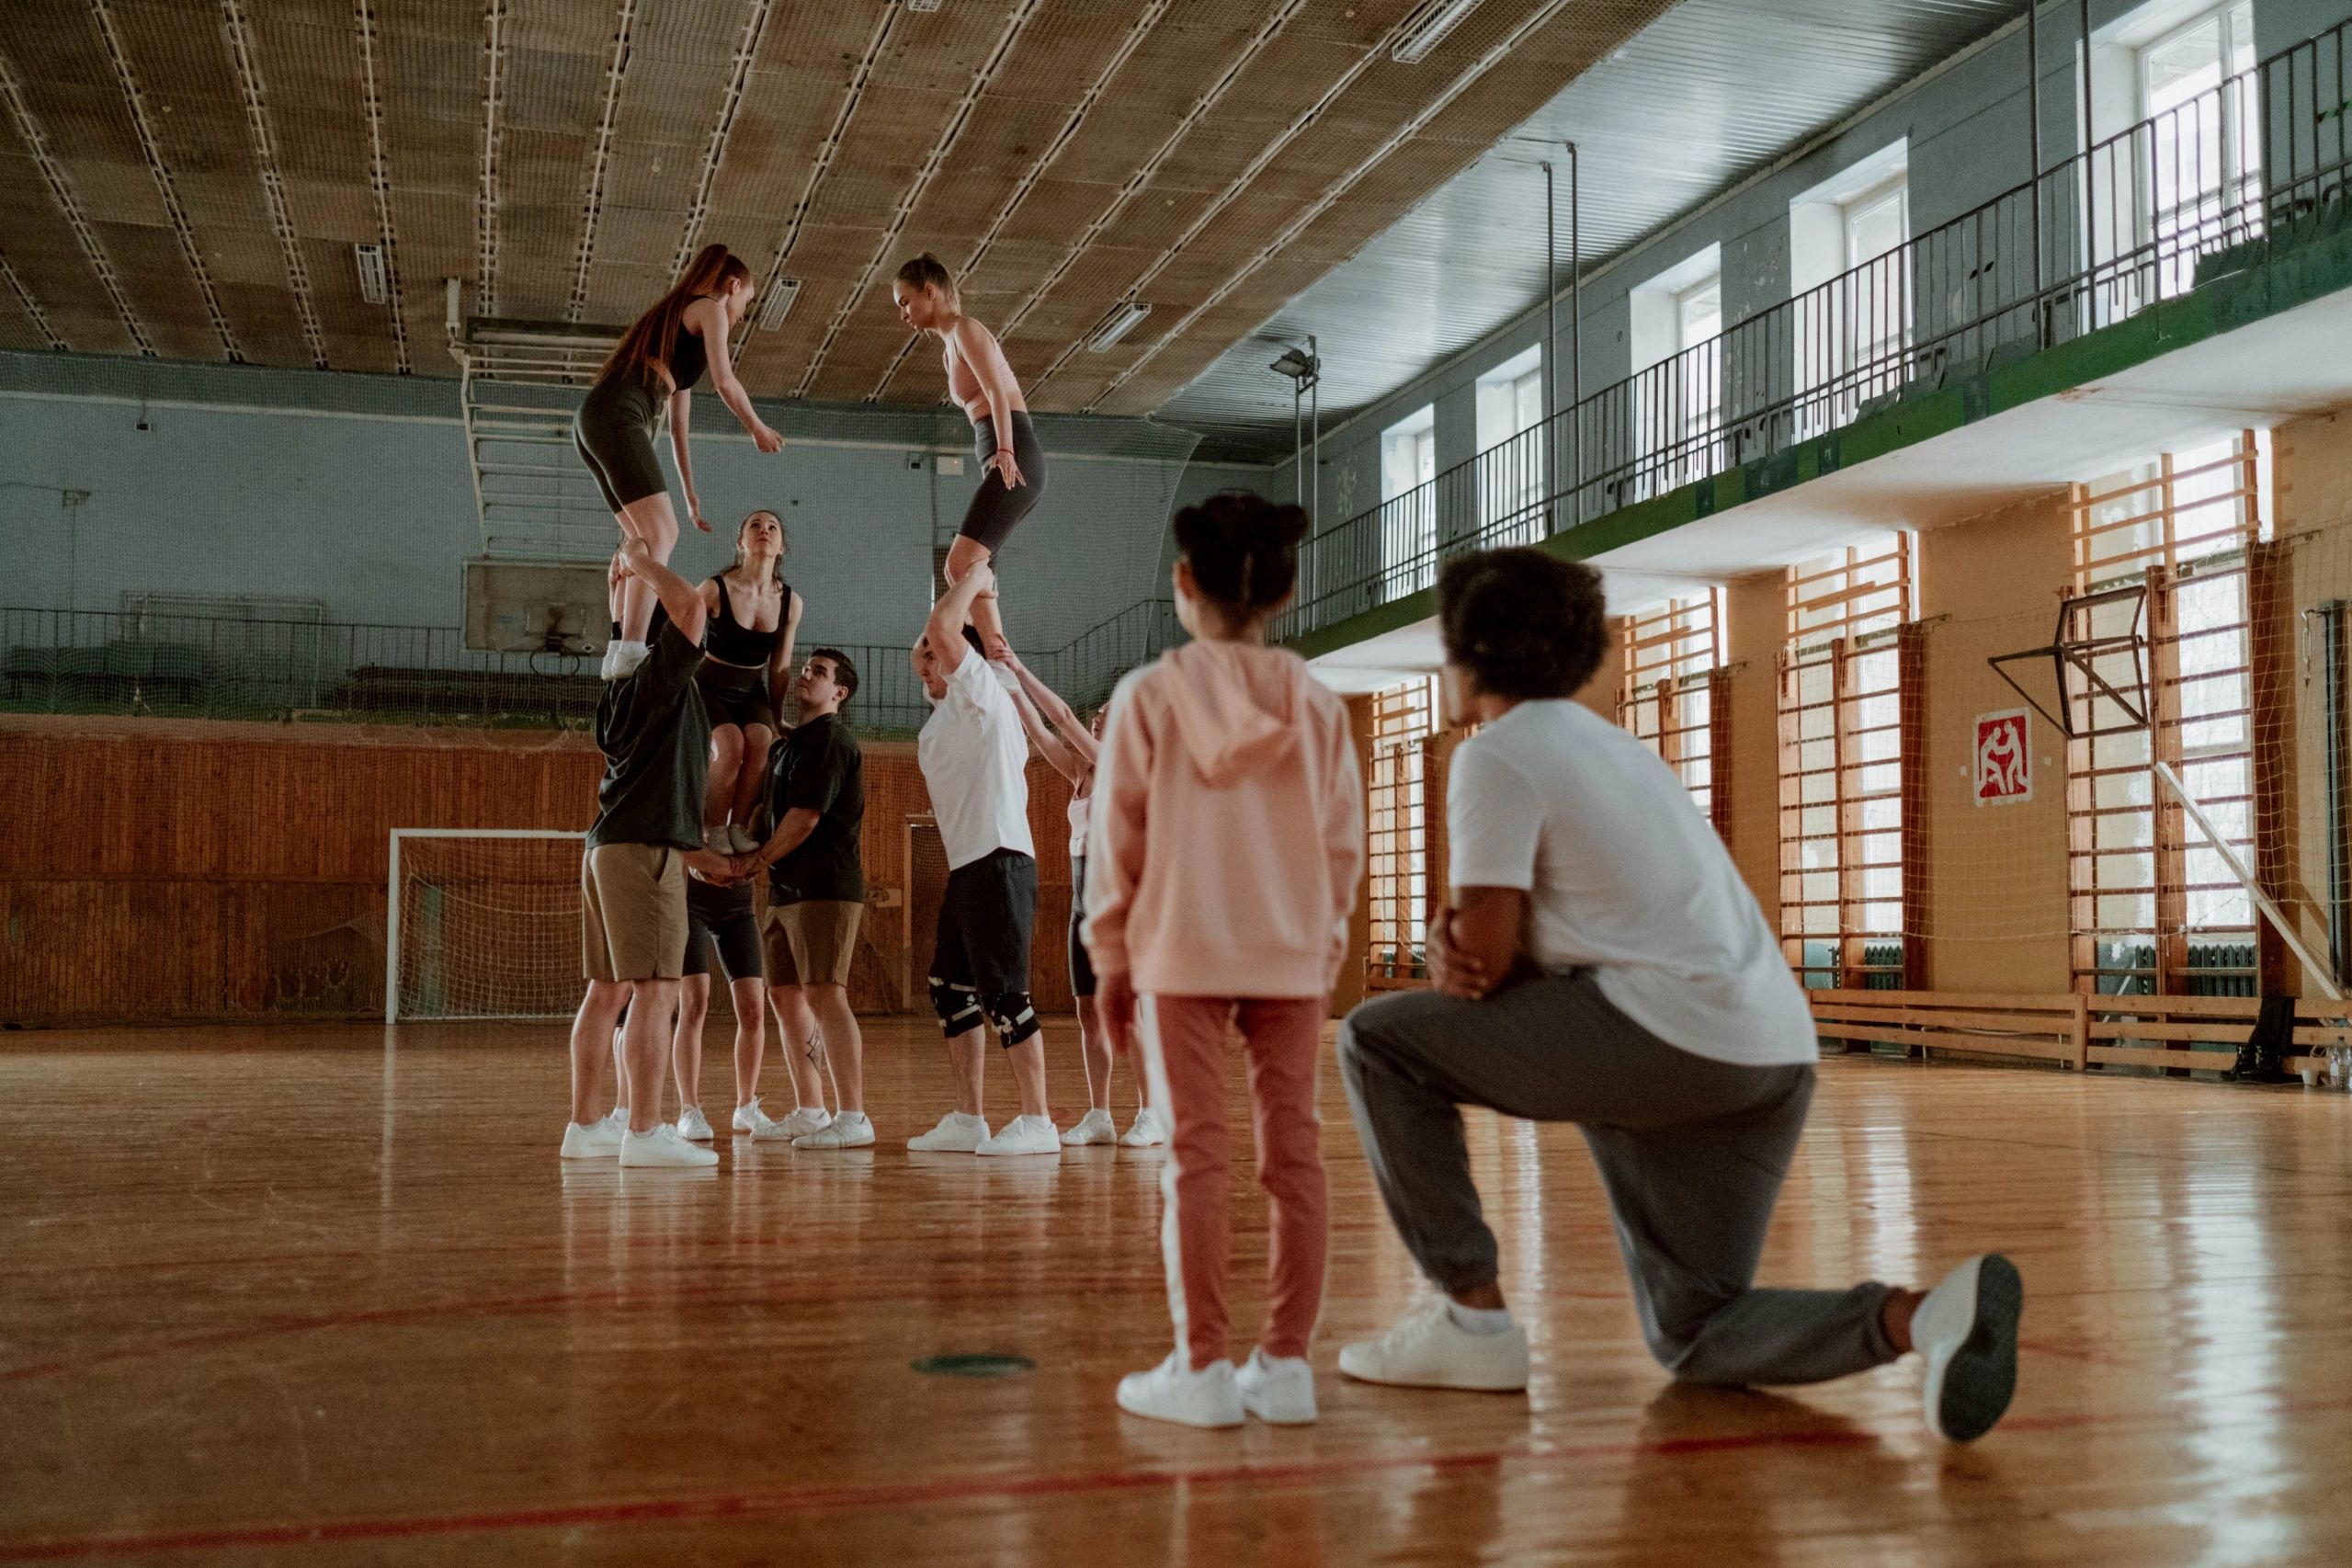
[[284, 1295]]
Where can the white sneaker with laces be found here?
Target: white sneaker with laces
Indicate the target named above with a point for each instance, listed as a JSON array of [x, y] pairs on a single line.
[[956, 1134], [742, 838], [750, 1119], [850, 1130], [1148, 1132], [1024, 1135], [1174, 1392], [1277, 1389], [663, 1146], [719, 840], [803, 1120], [1428, 1349], [590, 1139], [1967, 1329], [692, 1126], [1095, 1127]]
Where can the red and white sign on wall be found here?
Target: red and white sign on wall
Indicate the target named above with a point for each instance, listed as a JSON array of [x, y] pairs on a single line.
[[2004, 762]]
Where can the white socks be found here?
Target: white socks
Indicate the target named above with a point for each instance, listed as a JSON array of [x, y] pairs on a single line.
[[1482, 1321]]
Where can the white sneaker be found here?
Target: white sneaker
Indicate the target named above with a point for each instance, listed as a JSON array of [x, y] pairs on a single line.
[[622, 658], [618, 1120], [590, 1139], [1149, 1131], [1095, 1127], [1173, 1391], [1024, 1135], [803, 1120], [743, 839], [850, 1130], [663, 1146], [1277, 1389], [750, 1119], [1967, 1328], [1428, 1349], [719, 840], [692, 1126], [956, 1134]]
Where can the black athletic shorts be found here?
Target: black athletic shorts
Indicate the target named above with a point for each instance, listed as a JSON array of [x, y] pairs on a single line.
[[721, 919], [1081, 965], [997, 508], [614, 431], [733, 694], [984, 924]]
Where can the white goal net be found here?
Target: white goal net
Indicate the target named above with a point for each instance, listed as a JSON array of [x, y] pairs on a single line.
[[483, 923]]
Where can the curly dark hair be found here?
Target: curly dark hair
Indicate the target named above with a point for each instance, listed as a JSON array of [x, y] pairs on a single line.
[[1525, 624], [1242, 549]]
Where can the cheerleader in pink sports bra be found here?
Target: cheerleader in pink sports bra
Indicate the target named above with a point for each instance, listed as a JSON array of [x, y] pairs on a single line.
[[1071, 748]]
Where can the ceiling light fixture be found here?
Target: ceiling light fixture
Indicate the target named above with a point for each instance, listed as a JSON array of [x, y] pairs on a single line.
[[922, 7], [1118, 325], [374, 286], [1425, 30], [778, 304]]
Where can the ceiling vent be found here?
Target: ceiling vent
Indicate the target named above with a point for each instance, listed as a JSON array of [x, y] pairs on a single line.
[[1428, 28], [375, 286], [777, 303]]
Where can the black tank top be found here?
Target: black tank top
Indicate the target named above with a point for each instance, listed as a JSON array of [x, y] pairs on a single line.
[[688, 360], [728, 640]]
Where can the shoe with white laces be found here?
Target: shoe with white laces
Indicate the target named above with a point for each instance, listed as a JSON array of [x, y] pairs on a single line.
[[1428, 1349], [1095, 1127], [1967, 1329], [956, 1134], [663, 1146], [719, 840], [749, 1117], [692, 1126], [743, 839], [618, 1120], [803, 1120], [1174, 1392], [1024, 1135], [1148, 1132], [591, 1140], [1277, 1389], [850, 1130]]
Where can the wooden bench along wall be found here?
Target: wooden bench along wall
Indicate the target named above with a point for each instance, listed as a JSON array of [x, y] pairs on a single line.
[[2200, 1033]]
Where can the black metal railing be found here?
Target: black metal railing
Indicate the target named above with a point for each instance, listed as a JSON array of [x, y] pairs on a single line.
[[2259, 159]]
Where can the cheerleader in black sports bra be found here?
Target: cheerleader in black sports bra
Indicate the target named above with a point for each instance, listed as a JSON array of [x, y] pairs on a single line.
[[754, 615], [657, 363]]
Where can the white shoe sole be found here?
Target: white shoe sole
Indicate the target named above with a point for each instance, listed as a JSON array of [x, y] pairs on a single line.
[[1082, 1136], [1216, 1422], [1026, 1149], [612, 1154], [1285, 1413], [864, 1140], [1504, 1379], [1968, 1388]]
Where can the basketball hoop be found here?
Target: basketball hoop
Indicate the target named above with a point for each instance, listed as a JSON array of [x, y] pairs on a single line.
[[2097, 654]]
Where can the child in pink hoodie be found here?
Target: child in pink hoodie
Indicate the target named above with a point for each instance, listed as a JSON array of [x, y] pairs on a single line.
[[1221, 864]]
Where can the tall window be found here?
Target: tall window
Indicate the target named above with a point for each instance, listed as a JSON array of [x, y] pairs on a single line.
[[1852, 286], [1409, 503], [1403, 719], [1677, 318], [1510, 451], [1671, 658], [2202, 155], [1841, 711], [2154, 907]]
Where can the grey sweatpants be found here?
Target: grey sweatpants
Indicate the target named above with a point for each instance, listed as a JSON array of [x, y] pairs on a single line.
[[1692, 1152]]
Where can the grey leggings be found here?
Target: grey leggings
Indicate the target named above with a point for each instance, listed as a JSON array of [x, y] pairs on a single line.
[[1691, 1151]]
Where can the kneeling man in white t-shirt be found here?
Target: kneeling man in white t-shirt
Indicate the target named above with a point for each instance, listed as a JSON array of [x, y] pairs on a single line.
[[1599, 961]]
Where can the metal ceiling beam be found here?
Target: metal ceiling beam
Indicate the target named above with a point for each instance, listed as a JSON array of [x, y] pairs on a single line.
[[494, 91], [363, 18], [30, 306], [599, 157], [29, 129], [697, 211], [273, 182]]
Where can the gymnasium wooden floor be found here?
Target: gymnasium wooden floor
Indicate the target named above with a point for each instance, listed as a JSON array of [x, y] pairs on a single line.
[[276, 1295]]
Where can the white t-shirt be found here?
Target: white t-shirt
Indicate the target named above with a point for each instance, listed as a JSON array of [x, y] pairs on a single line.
[[974, 757], [1624, 875]]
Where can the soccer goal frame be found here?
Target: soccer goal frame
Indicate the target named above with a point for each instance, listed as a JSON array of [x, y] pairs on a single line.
[[392, 889]]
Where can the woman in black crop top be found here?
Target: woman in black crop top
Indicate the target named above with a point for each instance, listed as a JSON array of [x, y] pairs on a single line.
[[754, 617], [657, 363]]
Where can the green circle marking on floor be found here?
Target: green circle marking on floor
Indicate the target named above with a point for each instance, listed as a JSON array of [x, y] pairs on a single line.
[[984, 1365]]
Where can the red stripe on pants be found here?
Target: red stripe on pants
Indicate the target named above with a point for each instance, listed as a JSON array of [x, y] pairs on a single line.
[[1186, 1046]]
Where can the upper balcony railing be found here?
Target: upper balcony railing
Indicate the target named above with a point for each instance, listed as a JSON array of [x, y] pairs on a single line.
[[2093, 241]]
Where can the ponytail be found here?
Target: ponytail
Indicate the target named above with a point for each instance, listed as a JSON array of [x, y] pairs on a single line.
[[643, 351]]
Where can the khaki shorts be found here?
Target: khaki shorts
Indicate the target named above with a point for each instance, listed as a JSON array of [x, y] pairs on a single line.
[[813, 942], [632, 912]]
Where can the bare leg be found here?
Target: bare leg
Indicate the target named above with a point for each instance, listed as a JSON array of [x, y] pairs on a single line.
[[750, 772], [846, 1048], [1029, 1071], [686, 1048], [1094, 1050], [620, 1062], [962, 556], [968, 1057], [591, 1040], [803, 1050], [645, 1044], [726, 760], [653, 521], [751, 1036]]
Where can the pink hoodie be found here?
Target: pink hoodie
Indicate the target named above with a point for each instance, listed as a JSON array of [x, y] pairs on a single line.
[[1227, 839]]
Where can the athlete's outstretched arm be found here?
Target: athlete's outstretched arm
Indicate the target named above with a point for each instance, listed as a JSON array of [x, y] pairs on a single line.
[[711, 318]]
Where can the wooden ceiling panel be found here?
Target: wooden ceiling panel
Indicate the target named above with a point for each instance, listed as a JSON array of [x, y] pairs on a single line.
[[114, 191], [262, 314]]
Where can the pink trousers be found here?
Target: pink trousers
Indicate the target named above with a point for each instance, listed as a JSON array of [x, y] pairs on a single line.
[[1185, 1039]]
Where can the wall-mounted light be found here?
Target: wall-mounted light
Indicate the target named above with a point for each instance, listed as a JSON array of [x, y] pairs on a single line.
[[777, 303], [375, 286], [1427, 29], [1118, 325]]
